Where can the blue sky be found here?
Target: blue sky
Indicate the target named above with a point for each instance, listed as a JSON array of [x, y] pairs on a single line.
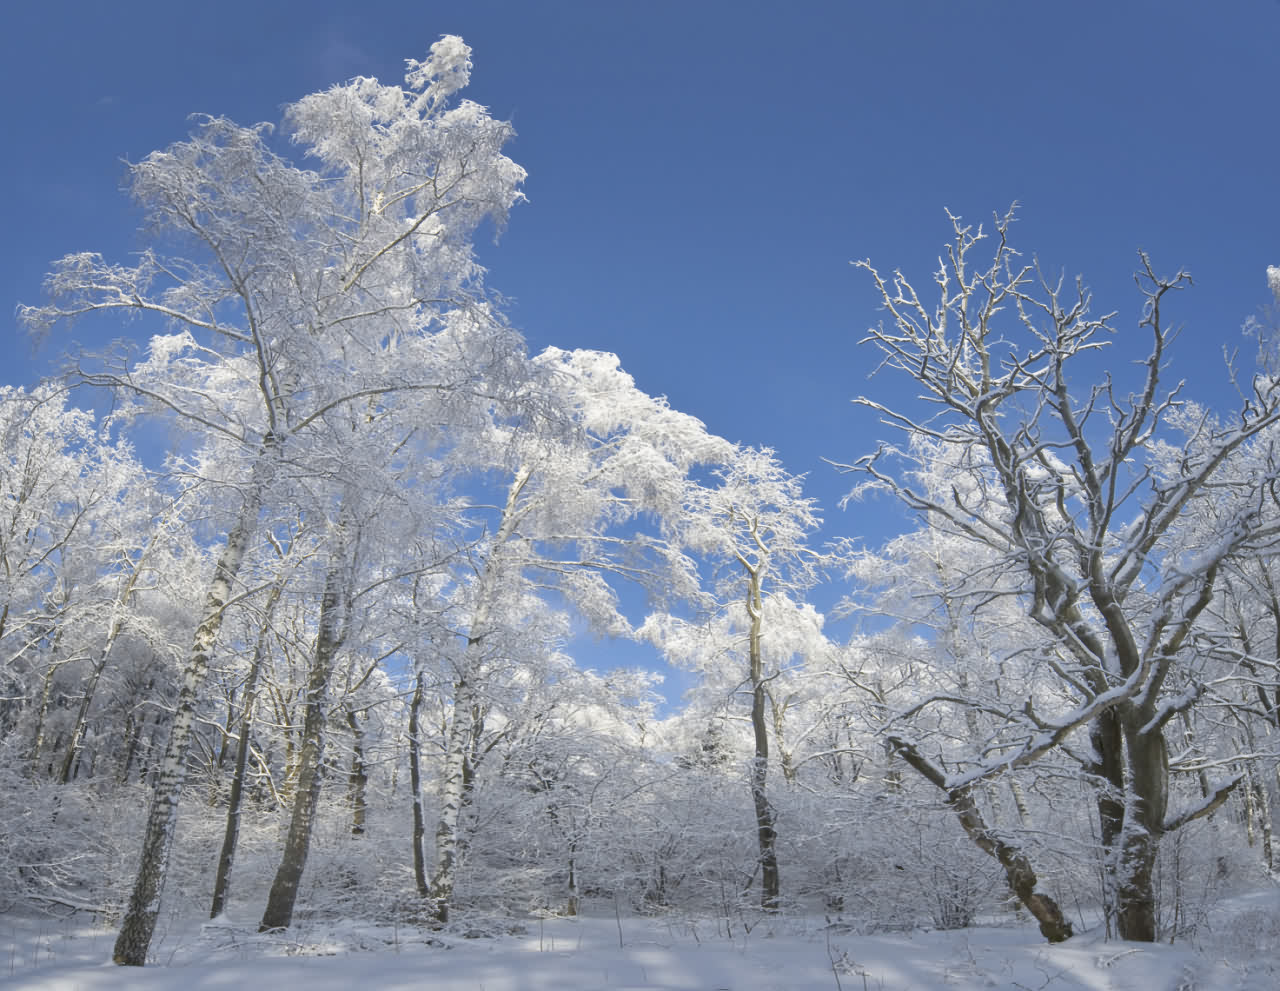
[[702, 173]]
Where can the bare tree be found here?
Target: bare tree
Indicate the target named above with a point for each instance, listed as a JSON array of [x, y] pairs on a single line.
[[1063, 492]]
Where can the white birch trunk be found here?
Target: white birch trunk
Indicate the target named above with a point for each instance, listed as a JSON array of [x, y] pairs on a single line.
[[452, 788], [139, 922], [444, 872]]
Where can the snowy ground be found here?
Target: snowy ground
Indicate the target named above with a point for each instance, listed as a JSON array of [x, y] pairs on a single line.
[[584, 954]]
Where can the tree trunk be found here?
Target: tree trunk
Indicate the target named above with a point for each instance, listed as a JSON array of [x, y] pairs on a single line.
[[226, 858], [113, 633], [1259, 785], [86, 700], [144, 904], [1133, 799], [1264, 821], [329, 637], [415, 784], [455, 785], [1108, 770], [452, 787], [572, 901], [1020, 802], [358, 778], [1140, 838], [1018, 872], [766, 821], [46, 697]]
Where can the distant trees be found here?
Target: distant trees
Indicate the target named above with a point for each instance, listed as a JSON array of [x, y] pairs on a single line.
[[88, 550]]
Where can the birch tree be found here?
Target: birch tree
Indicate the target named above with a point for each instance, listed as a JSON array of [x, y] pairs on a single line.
[[292, 294], [1058, 488], [333, 627], [73, 557], [594, 493]]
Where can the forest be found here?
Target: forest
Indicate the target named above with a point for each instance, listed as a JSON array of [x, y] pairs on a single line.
[[290, 592]]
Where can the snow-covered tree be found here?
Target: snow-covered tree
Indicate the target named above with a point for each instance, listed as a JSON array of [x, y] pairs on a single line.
[[293, 297], [83, 536], [1059, 488], [590, 494], [750, 527]]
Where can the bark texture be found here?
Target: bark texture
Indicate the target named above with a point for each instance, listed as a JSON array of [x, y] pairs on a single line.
[[415, 785], [329, 638], [138, 926]]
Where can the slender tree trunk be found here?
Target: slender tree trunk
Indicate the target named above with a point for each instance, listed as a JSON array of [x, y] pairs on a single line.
[[358, 778], [1259, 786], [459, 742], [42, 714], [448, 827], [786, 757], [224, 747], [1188, 740], [132, 730], [235, 800], [86, 701], [1018, 872], [1264, 820], [144, 904], [329, 638], [46, 698], [572, 901], [1250, 807], [766, 821], [1020, 802], [415, 784], [113, 633]]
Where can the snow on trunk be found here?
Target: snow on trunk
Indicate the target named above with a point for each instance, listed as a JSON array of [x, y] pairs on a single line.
[[139, 922]]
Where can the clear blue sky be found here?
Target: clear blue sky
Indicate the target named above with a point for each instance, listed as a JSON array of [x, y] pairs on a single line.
[[702, 173]]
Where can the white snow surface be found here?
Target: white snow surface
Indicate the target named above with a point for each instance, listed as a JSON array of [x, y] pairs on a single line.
[[558, 954]]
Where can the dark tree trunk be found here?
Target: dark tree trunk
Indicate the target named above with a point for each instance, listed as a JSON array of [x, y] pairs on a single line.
[[235, 800], [1135, 872], [329, 638], [358, 777], [415, 785], [766, 821]]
